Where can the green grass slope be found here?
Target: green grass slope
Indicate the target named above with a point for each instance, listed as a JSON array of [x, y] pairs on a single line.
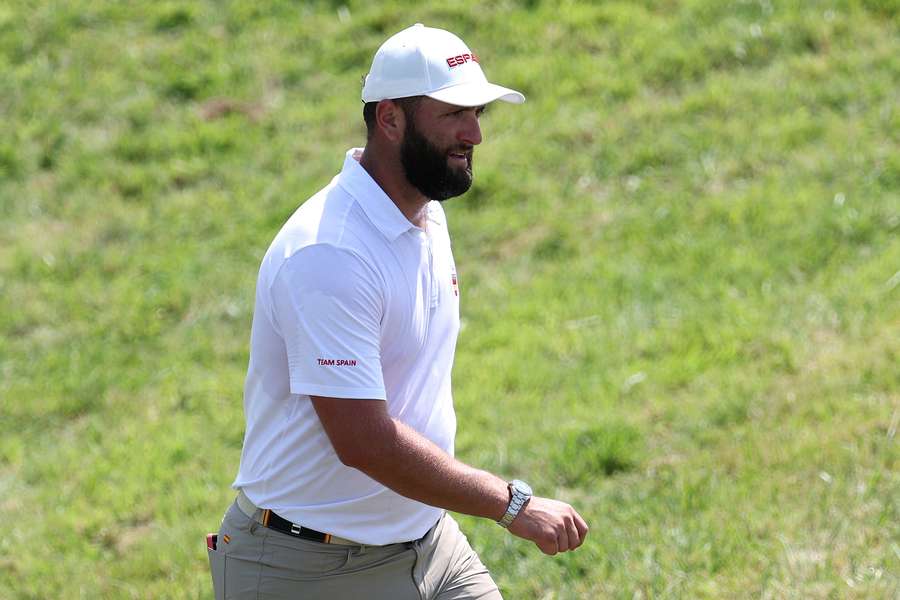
[[679, 266]]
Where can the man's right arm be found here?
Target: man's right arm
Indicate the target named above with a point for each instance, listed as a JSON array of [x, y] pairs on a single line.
[[367, 438]]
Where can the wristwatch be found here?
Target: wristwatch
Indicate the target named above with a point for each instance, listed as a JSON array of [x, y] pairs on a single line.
[[519, 495]]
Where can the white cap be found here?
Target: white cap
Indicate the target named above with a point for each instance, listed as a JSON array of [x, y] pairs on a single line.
[[423, 61]]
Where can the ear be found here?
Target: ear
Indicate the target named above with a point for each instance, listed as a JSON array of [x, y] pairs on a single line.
[[390, 120]]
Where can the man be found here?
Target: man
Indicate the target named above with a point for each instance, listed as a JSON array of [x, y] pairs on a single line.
[[347, 467]]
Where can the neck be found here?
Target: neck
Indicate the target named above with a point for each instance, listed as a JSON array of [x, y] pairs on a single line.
[[385, 168]]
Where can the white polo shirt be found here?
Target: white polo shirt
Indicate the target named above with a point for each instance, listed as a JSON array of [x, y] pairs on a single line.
[[352, 301]]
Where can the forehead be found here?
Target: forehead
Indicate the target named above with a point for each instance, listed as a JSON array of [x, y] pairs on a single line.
[[432, 106]]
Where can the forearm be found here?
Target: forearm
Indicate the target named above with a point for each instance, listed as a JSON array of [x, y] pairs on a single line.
[[413, 466]]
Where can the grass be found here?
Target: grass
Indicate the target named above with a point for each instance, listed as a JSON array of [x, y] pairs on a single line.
[[678, 265]]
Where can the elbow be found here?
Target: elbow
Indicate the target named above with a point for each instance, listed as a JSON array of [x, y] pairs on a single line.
[[367, 452], [362, 434], [352, 455], [364, 453]]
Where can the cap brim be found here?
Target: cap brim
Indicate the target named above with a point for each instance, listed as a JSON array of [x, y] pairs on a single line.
[[476, 94]]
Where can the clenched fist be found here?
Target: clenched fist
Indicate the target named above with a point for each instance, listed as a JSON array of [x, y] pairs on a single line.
[[552, 525]]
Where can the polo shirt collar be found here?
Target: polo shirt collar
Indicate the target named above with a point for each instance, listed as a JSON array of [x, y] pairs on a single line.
[[435, 212], [379, 208]]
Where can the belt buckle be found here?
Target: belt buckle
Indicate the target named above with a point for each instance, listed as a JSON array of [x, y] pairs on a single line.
[[295, 529]]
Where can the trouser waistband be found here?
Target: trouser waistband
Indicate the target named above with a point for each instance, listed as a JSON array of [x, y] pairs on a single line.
[[270, 519]]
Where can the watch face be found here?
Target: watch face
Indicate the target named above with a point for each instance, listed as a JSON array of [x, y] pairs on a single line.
[[522, 487]]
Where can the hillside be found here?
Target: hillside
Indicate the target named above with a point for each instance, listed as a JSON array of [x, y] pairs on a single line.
[[679, 269]]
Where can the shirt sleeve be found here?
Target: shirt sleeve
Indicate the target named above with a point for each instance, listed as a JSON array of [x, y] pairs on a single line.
[[327, 305]]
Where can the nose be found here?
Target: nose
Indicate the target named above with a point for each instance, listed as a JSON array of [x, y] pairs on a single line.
[[470, 133]]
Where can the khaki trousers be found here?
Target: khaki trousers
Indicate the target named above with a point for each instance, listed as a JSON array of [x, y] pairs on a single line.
[[260, 563]]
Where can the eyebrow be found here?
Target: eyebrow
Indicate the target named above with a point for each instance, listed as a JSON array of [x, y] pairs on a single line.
[[479, 110]]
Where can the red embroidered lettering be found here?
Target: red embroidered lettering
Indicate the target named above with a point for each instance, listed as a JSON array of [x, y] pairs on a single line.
[[461, 59], [336, 362]]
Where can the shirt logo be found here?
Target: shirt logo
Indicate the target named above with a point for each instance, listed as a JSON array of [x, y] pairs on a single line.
[[461, 59], [336, 362], [455, 283]]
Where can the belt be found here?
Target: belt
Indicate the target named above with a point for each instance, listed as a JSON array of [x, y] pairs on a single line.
[[268, 518]]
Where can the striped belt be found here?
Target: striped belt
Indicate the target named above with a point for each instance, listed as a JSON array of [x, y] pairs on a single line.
[[268, 518]]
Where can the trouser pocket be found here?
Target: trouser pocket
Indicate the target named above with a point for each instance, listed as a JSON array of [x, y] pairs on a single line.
[[217, 570]]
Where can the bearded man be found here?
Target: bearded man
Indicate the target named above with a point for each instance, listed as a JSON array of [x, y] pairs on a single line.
[[347, 468]]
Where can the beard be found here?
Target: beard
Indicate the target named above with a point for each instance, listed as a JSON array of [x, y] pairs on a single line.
[[427, 167]]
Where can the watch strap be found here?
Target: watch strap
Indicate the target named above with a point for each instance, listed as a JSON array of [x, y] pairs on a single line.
[[517, 502]]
